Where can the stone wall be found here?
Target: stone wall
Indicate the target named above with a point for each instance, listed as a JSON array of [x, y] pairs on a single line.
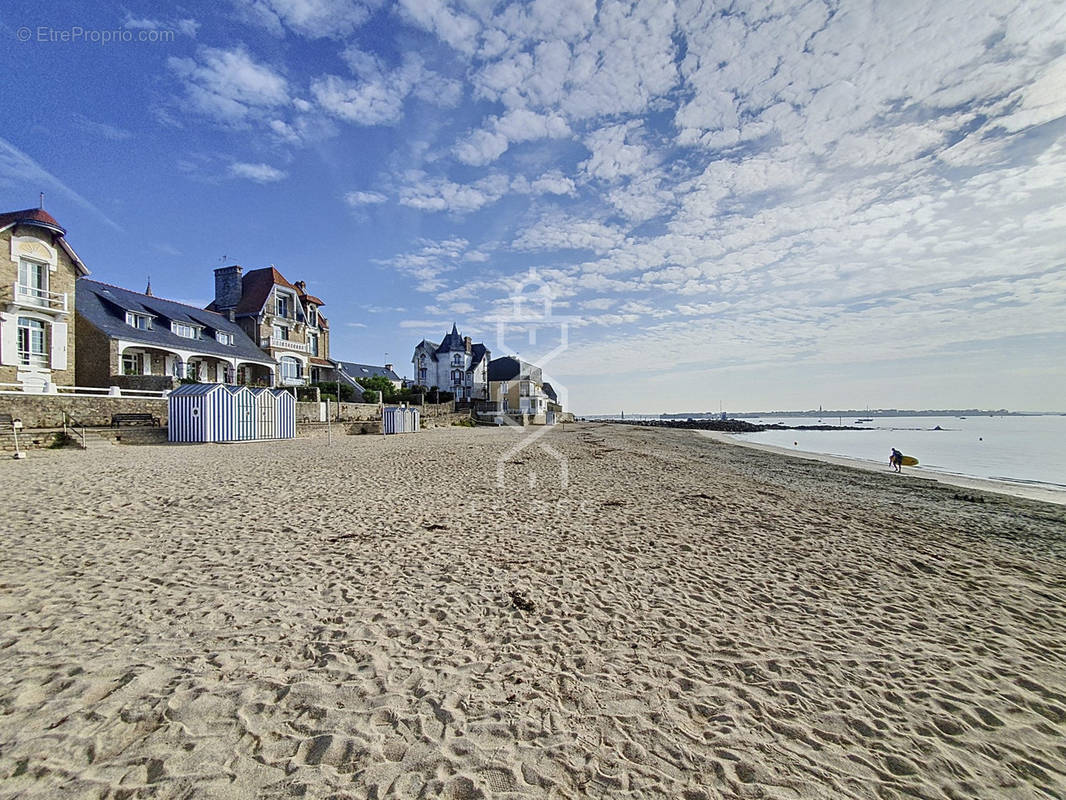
[[97, 359], [46, 410]]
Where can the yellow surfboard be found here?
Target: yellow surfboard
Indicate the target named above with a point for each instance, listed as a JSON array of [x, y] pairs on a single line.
[[910, 461]]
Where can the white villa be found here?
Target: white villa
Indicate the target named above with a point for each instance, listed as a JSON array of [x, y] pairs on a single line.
[[456, 365]]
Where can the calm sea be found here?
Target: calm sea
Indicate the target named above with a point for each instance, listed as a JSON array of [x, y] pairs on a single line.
[[1025, 450]]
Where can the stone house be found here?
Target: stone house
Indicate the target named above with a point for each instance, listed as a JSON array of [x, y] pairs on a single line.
[[38, 273], [456, 365], [517, 387], [281, 318], [138, 341]]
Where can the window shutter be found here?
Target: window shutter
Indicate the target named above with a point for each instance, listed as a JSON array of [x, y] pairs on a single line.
[[9, 341], [59, 345]]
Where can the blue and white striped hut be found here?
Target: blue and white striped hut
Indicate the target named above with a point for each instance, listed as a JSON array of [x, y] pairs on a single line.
[[214, 412], [275, 413], [399, 419], [201, 412]]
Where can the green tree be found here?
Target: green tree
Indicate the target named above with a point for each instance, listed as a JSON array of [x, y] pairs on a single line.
[[379, 383]]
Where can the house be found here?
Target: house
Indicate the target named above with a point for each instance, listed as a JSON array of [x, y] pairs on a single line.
[[456, 365], [517, 387], [135, 340], [38, 273], [553, 397], [281, 318], [357, 371]]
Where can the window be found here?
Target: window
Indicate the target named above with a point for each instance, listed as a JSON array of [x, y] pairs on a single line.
[[141, 322], [282, 304], [290, 370], [312, 316], [224, 338], [281, 332], [33, 282], [312, 341], [31, 343], [184, 330], [457, 359], [132, 364]]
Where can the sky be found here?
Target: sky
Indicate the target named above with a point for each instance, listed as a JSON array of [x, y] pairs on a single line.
[[701, 205]]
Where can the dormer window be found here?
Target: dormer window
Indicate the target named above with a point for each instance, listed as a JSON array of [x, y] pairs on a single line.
[[141, 322], [282, 304], [224, 338], [312, 316], [185, 330]]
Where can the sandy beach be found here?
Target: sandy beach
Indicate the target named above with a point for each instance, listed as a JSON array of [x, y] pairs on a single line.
[[685, 618]]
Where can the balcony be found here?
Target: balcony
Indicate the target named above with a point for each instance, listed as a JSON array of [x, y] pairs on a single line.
[[285, 344], [32, 297]]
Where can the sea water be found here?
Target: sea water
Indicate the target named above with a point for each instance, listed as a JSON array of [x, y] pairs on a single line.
[[1017, 449]]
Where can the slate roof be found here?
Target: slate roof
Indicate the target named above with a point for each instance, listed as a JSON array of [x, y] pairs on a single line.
[[41, 218], [105, 306], [366, 370], [504, 369], [477, 353], [452, 342]]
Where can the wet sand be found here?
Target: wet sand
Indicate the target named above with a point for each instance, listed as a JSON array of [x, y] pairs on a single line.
[[379, 618]]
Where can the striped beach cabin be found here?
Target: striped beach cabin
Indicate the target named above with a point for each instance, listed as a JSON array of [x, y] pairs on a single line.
[[214, 412], [275, 413], [399, 419]]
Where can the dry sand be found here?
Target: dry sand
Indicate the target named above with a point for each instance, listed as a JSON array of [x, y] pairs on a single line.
[[378, 619]]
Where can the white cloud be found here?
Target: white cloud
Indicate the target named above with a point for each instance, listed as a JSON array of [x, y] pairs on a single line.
[[359, 198], [260, 173], [20, 174], [101, 129], [229, 85], [378, 93], [441, 194], [314, 19], [517, 125]]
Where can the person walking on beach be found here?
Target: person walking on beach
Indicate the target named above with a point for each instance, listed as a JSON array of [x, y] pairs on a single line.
[[896, 460]]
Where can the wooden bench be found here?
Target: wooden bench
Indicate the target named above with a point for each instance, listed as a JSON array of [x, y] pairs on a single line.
[[134, 419]]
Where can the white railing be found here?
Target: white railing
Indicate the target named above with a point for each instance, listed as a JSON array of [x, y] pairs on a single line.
[[26, 295], [79, 391], [285, 344]]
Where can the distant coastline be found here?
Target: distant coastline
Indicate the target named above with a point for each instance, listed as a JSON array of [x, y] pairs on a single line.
[[858, 413]]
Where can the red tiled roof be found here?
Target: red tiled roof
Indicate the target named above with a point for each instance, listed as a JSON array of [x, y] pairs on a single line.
[[310, 298], [320, 362], [256, 286], [29, 216]]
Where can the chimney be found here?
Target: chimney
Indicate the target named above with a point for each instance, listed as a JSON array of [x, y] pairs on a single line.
[[388, 367], [228, 287], [466, 343], [301, 286]]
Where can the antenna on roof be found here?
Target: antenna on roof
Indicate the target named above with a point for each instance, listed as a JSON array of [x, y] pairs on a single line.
[[223, 259], [148, 288], [42, 201]]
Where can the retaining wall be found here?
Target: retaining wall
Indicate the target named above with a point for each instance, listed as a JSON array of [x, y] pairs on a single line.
[[46, 410]]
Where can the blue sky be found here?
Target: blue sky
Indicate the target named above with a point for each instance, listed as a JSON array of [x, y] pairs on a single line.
[[764, 205]]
